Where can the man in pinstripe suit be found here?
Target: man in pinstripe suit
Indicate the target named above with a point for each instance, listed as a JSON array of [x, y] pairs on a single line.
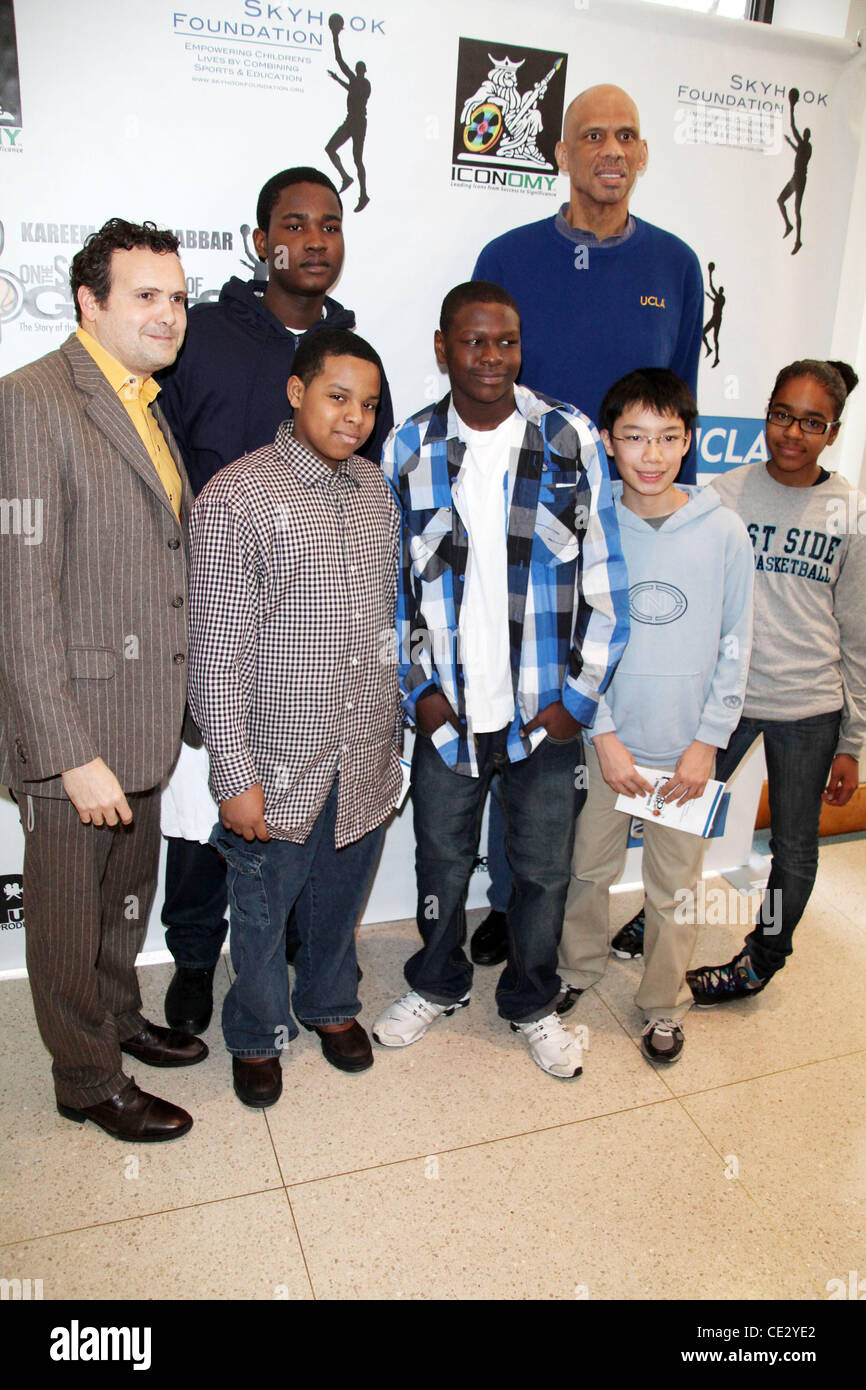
[[93, 673]]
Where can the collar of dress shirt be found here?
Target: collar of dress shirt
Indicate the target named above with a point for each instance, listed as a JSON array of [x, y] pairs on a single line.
[[309, 469], [583, 238], [126, 384], [444, 422]]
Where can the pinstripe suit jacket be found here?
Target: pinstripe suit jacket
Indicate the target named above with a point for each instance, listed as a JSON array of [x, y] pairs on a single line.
[[93, 583]]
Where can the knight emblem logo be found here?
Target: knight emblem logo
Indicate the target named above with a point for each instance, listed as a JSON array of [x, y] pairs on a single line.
[[508, 105]]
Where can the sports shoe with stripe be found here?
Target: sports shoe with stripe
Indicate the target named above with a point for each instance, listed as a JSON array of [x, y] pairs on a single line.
[[408, 1018], [662, 1040], [718, 984], [552, 1047]]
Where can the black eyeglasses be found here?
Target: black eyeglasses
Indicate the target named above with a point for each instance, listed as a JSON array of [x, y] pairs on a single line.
[[809, 424]]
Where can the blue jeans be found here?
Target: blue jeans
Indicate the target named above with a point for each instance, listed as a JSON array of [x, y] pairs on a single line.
[[498, 867], [327, 887], [799, 753], [541, 804]]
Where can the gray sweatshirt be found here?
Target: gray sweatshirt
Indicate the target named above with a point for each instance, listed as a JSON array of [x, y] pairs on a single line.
[[809, 648], [683, 674]]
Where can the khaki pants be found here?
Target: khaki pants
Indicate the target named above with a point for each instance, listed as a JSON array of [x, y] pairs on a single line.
[[671, 861]]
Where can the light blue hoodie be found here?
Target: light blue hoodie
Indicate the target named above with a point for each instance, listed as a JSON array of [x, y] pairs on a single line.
[[683, 675]]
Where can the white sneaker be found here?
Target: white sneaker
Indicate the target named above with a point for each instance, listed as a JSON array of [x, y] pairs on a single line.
[[408, 1019], [554, 1049]]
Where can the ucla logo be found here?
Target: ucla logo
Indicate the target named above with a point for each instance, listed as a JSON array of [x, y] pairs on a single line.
[[651, 299], [656, 602]]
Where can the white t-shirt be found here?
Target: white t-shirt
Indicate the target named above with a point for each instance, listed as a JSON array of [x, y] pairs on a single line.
[[481, 498]]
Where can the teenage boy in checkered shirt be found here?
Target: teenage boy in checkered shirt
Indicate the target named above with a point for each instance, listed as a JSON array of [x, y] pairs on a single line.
[[512, 614], [294, 562]]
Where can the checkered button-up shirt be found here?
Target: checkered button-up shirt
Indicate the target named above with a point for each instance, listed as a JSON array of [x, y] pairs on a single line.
[[292, 598], [567, 580]]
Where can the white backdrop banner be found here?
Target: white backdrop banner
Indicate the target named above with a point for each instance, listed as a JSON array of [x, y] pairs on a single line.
[[179, 112]]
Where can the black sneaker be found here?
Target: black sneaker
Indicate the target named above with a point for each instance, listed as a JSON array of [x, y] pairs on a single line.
[[568, 997], [488, 944], [662, 1040], [628, 942], [717, 984]]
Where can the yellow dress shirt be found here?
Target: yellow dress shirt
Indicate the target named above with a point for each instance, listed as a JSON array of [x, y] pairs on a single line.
[[137, 396]]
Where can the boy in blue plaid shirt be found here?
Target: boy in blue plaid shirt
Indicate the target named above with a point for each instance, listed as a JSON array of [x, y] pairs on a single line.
[[512, 614]]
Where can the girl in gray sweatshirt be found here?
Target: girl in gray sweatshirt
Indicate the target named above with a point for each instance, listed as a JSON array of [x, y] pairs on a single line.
[[806, 690]]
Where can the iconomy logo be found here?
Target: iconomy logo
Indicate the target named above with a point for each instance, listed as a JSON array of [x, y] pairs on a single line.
[[508, 115], [651, 299]]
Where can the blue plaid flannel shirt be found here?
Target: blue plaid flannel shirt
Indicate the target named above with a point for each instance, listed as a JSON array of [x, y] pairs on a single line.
[[567, 580]]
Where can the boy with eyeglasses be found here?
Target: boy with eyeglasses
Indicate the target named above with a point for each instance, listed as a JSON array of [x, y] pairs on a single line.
[[674, 699]]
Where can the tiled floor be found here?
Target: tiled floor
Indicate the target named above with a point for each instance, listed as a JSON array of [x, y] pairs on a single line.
[[456, 1169]]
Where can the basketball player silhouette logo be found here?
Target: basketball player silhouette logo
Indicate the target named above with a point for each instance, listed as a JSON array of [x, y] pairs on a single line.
[[802, 147], [354, 127], [714, 322], [250, 259]]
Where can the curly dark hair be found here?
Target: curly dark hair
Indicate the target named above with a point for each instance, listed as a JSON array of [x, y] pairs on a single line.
[[91, 266]]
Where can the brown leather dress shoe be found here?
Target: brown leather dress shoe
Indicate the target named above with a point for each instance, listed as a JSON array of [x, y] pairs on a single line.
[[258, 1081], [133, 1116], [348, 1049], [165, 1047]]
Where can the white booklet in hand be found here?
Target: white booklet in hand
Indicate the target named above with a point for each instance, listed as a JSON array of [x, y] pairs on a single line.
[[695, 817]]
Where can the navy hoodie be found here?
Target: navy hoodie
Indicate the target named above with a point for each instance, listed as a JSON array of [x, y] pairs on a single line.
[[226, 394]]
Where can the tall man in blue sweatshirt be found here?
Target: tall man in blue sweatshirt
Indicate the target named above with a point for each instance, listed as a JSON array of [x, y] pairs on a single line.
[[600, 293], [225, 397]]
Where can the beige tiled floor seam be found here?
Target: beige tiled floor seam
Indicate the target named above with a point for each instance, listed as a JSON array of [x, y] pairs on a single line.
[[456, 1170]]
